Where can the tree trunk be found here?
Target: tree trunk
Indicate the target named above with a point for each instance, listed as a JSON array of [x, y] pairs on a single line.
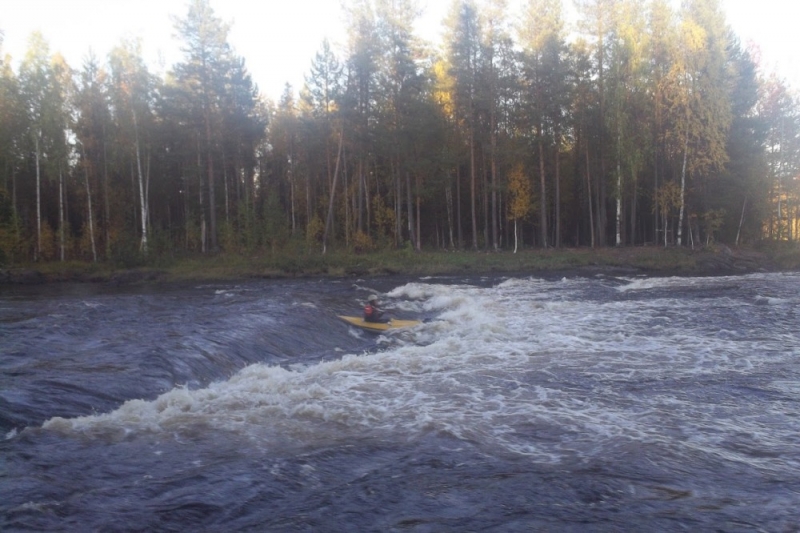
[[472, 184], [543, 192], [602, 219], [106, 206], [212, 206], [634, 207], [61, 211], [458, 207], [202, 202], [89, 217], [619, 191], [346, 201], [448, 195], [329, 218], [589, 194], [142, 195], [225, 185], [741, 220], [485, 197], [360, 217], [410, 207], [683, 186], [495, 243], [655, 195], [38, 252], [558, 189], [368, 222], [398, 205], [292, 203], [418, 233], [309, 210]]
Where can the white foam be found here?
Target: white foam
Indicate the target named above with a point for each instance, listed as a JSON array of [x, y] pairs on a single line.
[[526, 353]]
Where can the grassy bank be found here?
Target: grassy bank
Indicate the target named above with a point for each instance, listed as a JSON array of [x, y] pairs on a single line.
[[645, 260]]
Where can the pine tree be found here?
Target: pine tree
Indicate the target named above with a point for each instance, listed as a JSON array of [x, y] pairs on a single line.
[[463, 57], [208, 58], [45, 125], [132, 88], [545, 80]]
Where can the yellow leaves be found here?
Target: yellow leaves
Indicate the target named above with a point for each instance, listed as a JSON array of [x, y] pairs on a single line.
[[668, 197], [712, 222], [520, 191], [630, 28], [362, 242], [314, 230], [383, 215], [693, 36], [443, 90]]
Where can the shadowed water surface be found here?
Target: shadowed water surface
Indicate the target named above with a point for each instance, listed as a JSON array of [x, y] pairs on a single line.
[[569, 404]]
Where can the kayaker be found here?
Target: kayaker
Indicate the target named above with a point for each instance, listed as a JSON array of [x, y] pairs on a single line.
[[373, 312]]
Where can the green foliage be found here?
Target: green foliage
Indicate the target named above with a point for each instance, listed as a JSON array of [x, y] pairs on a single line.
[[384, 218], [49, 244], [362, 243], [247, 229], [11, 242], [228, 238], [443, 137], [712, 222], [276, 232], [193, 233], [314, 230], [126, 253]]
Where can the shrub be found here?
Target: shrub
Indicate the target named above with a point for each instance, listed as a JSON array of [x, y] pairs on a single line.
[[362, 243]]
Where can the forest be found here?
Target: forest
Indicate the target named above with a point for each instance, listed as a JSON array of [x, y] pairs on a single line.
[[638, 123]]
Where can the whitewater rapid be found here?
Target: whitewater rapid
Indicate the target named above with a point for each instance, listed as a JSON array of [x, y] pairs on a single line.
[[676, 382]]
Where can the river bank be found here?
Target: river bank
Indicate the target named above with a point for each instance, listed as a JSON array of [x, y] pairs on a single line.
[[655, 261]]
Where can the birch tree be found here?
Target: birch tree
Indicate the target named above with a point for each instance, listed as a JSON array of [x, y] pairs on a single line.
[[779, 107], [92, 125], [595, 24], [543, 48], [12, 128], [496, 54], [629, 102], [131, 97], [60, 147], [462, 44], [35, 81], [358, 112], [697, 92], [519, 189], [207, 59]]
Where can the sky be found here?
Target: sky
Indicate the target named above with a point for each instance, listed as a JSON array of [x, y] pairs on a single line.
[[279, 38]]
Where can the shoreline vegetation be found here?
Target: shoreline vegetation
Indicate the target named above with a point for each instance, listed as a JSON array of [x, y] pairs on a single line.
[[646, 260], [489, 135]]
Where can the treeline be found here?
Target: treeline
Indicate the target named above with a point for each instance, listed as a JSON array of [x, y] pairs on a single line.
[[642, 124]]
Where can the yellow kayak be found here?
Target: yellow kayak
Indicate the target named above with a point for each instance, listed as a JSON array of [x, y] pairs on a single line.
[[379, 327]]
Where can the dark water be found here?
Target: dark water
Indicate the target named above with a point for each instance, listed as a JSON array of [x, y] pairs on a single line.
[[526, 404]]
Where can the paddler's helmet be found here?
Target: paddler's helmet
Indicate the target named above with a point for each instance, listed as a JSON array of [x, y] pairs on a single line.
[[372, 298]]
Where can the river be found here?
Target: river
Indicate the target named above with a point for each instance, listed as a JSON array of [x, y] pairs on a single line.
[[522, 403]]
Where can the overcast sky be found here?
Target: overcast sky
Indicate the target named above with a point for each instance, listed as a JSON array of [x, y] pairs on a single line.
[[279, 38]]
